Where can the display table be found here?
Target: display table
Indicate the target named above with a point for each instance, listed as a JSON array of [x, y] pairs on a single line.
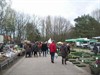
[[3, 63], [6, 58], [8, 61]]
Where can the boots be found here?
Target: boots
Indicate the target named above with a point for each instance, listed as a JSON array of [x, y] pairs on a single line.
[[64, 61]]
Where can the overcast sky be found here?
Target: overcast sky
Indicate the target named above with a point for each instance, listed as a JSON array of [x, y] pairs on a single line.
[[69, 9]]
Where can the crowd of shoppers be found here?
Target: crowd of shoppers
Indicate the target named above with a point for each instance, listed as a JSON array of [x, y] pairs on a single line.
[[41, 48]]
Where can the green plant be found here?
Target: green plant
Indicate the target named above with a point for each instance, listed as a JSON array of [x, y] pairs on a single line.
[[77, 53], [72, 60], [76, 62], [87, 61], [94, 69], [86, 55], [81, 65], [73, 51], [75, 57]]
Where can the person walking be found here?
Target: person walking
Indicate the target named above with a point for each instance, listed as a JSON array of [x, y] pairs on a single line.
[[27, 50], [39, 48], [68, 47], [52, 48], [95, 49], [64, 53], [44, 49], [35, 49], [33, 44]]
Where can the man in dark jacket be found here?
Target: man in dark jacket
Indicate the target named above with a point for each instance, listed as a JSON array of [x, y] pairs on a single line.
[[95, 49], [44, 49], [1, 47], [27, 50], [35, 49], [64, 53]]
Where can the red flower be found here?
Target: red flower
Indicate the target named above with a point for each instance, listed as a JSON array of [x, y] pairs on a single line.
[[98, 61]]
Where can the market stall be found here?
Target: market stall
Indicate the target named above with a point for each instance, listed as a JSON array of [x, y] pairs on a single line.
[[9, 54]]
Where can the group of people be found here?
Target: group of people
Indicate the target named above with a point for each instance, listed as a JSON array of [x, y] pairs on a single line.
[[37, 48]]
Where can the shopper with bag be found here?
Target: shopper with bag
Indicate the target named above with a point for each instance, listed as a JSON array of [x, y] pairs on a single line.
[[64, 53], [56, 55], [52, 48]]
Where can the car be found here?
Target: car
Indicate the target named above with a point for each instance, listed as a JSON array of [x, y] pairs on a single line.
[[84, 45], [98, 45], [91, 45]]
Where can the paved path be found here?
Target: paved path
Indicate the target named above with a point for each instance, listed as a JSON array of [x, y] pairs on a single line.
[[43, 66]]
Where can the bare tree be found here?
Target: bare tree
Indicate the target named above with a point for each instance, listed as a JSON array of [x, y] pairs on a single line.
[[21, 21], [3, 7], [43, 29], [32, 29], [61, 27], [55, 28], [32, 33], [9, 24], [48, 27], [96, 14]]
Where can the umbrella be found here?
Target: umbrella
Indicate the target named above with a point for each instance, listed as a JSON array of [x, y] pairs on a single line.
[[26, 41], [59, 42]]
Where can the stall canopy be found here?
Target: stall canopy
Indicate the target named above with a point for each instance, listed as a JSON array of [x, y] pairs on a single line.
[[78, 40], [91, 40], [82, 40], [70, 40]]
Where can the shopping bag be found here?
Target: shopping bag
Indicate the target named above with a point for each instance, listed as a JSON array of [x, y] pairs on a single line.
[[56, 55]]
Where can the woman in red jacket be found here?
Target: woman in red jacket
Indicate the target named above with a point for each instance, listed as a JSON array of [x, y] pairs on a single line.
[[52, 48]]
